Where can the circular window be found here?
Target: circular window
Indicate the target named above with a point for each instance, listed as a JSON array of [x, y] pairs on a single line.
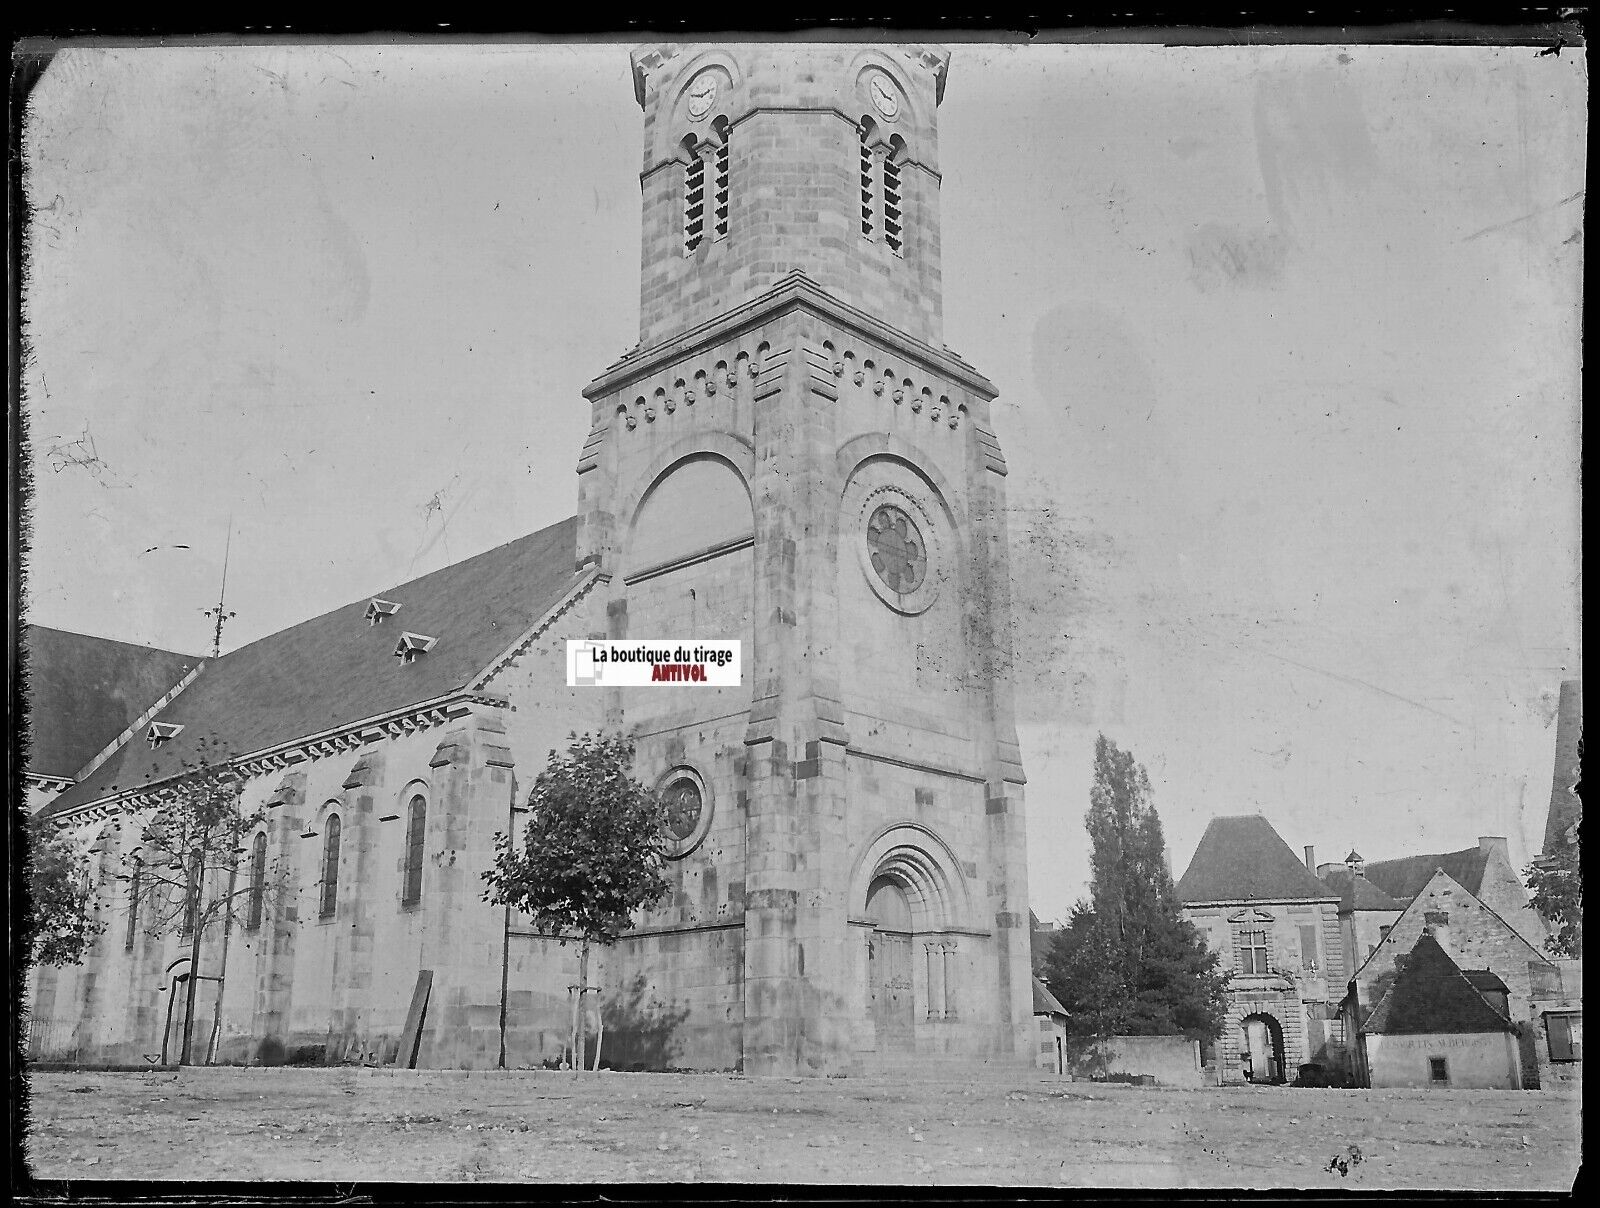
[[688, 811], [899, 547], [899, 555]]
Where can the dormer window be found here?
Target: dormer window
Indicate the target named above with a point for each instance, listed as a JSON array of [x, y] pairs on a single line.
[[160, 732], [413, 646], [379, 611]]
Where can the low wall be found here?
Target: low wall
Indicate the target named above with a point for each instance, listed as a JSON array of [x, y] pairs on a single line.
[[1170, 1060]]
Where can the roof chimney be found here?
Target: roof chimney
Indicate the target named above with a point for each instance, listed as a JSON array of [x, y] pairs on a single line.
[[1437, 923], [1489, 844], [1311, 859]]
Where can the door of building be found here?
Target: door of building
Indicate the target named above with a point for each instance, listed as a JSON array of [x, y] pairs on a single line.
[[889, 987]]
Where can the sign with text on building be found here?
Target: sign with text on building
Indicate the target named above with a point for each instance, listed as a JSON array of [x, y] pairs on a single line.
[[635, 663]]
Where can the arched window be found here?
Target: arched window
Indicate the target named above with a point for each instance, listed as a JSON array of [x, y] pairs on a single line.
[[258, 881], [330, 867], [719, 181], [699, 217], [134, 884], [882, 205], [869, 184], [694, 198], [416, 830], [893, 230], [191, 898]]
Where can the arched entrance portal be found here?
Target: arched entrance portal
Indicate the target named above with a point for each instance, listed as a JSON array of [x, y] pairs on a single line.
[[889, 982], [1262, 1051]]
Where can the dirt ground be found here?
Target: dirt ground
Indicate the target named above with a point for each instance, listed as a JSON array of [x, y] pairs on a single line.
[[350, 1125]]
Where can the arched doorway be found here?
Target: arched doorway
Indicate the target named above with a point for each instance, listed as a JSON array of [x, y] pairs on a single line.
[[1261, 1053], [889, 985]]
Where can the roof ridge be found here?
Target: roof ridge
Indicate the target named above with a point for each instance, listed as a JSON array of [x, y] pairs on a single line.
[[255, 698], [383, 593]]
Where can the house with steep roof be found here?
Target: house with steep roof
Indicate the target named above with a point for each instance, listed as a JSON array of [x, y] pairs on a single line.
[[86, 694], [1434, 1027], [1276, 928], [790, 458], [1485, 871], [1478, 939]]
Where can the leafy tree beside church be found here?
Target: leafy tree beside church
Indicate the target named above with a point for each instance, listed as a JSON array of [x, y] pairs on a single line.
[[592, 852], [58, 922], [1127, 963]]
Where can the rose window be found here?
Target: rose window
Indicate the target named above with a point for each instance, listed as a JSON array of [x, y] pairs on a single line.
[[899, 554], [684, 803]]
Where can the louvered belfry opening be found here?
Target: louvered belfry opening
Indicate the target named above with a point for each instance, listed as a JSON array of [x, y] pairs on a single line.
[[893, 231], [869, 199], [719, 212], [694, 200]]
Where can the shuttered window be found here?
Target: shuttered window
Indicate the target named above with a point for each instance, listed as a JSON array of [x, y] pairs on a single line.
[[1308, 947], [1565, 1033], [694, 203], [893, 232]]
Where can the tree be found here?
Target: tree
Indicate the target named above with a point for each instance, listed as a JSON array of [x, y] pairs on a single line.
[[1127, 962], [1555, 884], [183, 876], [591, 853], [59, 923]]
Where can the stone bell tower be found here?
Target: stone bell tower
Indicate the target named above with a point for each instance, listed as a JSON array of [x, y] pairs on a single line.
[[792, 457]]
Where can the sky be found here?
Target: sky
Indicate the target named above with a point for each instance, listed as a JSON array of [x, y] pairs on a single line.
[[1287, 341]]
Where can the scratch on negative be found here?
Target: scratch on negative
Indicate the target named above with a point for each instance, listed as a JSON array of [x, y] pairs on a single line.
[[1500, 226], [1351, 680]]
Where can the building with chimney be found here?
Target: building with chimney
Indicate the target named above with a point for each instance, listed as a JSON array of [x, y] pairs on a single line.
[[1481, 943], [1276, 928], [791, 457], [1437, 1026]]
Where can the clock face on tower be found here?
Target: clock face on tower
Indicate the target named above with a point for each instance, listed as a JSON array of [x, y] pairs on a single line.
[[702, 95], [884, 99]]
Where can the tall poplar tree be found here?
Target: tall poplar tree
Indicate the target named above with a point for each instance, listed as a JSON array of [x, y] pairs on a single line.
[[1127, 963]]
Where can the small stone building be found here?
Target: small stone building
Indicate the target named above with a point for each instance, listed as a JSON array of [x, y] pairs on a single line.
[[1276, 927], [1433, 1028], [1050, 1018], [1475, 937]]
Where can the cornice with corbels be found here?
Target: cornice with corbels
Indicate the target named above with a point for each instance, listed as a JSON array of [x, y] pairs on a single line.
[[302, 751]]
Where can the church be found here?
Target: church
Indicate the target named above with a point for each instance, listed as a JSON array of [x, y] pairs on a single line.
[[791, 457]]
